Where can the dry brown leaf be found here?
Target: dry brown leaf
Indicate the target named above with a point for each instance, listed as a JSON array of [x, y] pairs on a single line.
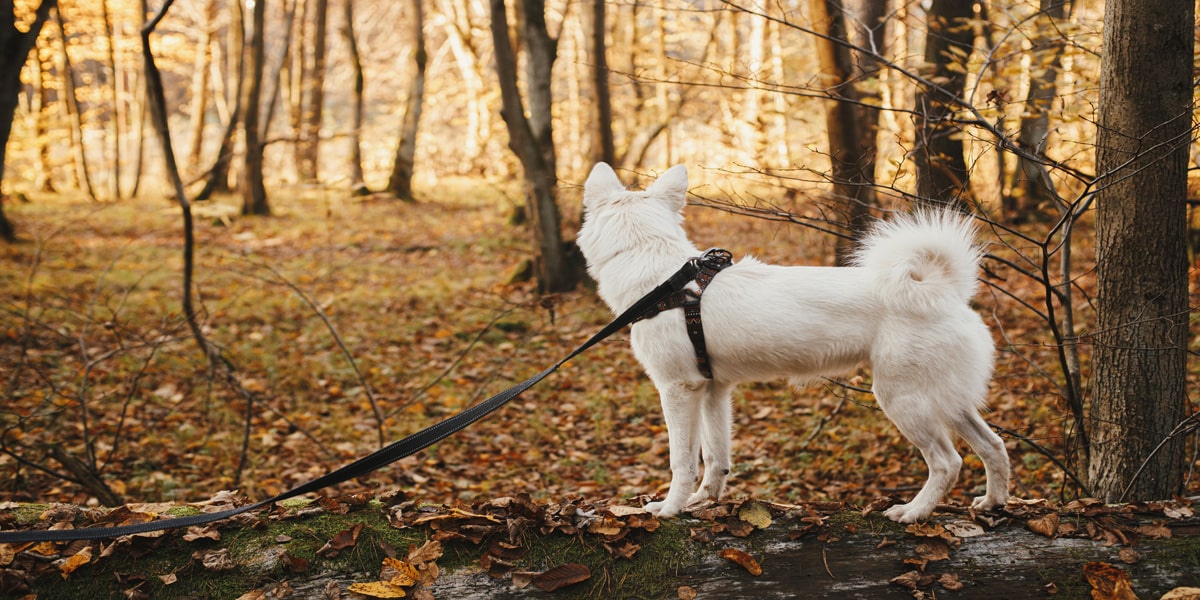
[[755, 514], [253, 595], [1046, 525], [215, 560], [7, 554], [77, 560], [378, 589], [686, 592], [430, 551], [933, 550], [741, 558], [950, 582], [168, 579], [346, 538], [561, 576], [398, 572], [1108, 582], [1182, 593]]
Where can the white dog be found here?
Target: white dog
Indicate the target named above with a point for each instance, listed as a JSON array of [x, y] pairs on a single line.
[[903, 309]]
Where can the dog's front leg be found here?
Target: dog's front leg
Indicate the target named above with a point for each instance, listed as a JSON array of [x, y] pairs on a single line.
[[715, 432], [681, 403]]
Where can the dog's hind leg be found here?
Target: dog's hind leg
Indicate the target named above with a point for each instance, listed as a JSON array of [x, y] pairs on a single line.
[[914, 416], [990, 449], [716, 430], [681, 406]]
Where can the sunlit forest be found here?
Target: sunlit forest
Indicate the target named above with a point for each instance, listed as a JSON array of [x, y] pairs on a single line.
[[365, 222]]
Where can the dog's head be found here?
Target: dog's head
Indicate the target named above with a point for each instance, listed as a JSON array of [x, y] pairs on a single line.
[[616, 219]]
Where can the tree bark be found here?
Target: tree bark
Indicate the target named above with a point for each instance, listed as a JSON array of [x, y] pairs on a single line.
[[15, 46], [310, 132], [852, 161], [1141, 339], [942, 175], [818, 555], [531, 139], [218, 175], [357, 186], [400, 180], [254, 193], [1031, 187], [603, 146]]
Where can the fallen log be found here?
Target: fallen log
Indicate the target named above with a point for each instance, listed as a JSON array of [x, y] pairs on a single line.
[[362, 547]]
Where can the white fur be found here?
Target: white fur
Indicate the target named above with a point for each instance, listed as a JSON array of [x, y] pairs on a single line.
[[903, 308]]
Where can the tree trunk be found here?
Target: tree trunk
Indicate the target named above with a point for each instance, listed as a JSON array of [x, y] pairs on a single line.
[[254, 193], [603, 147], [114, 97], [851, 161], [40, 108], [310, 132], [810, 554], [15, 46], [1141, 339], [1031, 187], [218, 176], [82, 171], [942, 175], [200, 72], [357, 187], [400, 180], [532, 138]]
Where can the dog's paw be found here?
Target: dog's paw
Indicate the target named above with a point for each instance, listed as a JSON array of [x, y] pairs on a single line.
[[661, 510], [908, 513], [986, 503]]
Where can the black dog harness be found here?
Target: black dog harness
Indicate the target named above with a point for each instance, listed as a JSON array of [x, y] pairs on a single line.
[[711, 263]]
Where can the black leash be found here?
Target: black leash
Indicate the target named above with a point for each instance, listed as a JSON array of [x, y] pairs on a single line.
[[394, 451]]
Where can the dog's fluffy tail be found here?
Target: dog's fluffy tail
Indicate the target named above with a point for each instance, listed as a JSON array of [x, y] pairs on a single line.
[[923, 259]]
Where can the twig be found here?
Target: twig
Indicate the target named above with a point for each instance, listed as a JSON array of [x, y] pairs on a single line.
[[379, 418], [1044, 452]]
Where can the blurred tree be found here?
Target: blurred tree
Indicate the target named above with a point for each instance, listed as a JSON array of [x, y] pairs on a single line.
[[15, 46], [308, 144], [400, 180], [942, 174], [357, 187], [1141, 338], [851, 149], [254, 192]]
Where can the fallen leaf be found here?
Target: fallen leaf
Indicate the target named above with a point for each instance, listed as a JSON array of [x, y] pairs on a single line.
[[620, 510], [378, 589], [1108, 582], [398, 572], [1178, 512], [686, 592], [168, 579], [933, 550], [755, 514], [1182, 593], [75, 561], [950, 582], [1129, 556], [346, 538], [1046, 525], [965, 529], [430, 551], [741, 558], [561, 576], [253, 595], [215, 560]]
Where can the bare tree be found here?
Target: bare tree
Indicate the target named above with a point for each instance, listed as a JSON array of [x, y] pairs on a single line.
[[357, 186], [308, 148], [531, 137], [1140, 361], [603, 148], [851, 158], [15, 46], [400, 180], [254, 193], [942, 173]]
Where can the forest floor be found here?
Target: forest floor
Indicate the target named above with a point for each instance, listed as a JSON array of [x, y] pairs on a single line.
[[99, 369]]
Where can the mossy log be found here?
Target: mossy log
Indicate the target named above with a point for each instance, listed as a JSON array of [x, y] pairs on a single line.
[[516, 548]]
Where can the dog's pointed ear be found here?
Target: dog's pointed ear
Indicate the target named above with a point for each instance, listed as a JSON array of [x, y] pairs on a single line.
[[600, 184], [671, 186]]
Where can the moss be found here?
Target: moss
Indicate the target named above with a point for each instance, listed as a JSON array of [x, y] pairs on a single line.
[[651, 573]]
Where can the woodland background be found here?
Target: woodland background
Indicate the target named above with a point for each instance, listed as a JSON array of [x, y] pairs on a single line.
[[422, 183]]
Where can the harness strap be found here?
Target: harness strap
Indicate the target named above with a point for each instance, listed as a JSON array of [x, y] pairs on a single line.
[[713, 262], [386, 455]]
